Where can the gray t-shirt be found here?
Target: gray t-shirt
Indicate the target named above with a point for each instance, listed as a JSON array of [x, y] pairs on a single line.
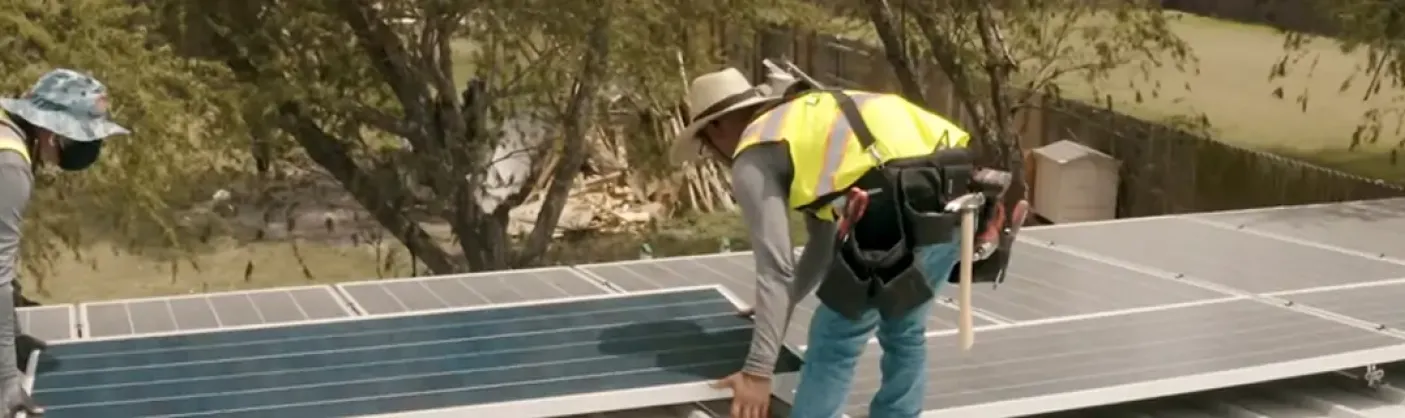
[[761, 184]]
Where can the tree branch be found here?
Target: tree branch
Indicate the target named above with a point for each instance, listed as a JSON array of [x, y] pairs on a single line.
[[578, 113], [391, 61], [896, 52], [947, 53]]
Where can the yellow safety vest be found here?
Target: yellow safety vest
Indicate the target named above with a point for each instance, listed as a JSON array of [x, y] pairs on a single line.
[[8, 143], [823, 150]]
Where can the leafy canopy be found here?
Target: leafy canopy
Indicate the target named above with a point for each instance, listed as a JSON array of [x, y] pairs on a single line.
[[178, 110]]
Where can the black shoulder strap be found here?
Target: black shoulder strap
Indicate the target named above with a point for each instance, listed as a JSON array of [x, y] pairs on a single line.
[[851, 113]]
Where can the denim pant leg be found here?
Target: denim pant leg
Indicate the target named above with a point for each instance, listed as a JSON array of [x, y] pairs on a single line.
[[904, 363], [834, 346]]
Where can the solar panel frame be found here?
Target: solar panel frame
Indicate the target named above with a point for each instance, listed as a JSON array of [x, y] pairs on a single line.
[[530, 408], [1045, 282], [944, 317], [362, 305], [85, 309], [25, 316], [1349, 228], [1213, 255], [1377, 303], [1384, 348]]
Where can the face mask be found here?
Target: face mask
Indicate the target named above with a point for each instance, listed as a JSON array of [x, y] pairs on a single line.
[[76, 156]]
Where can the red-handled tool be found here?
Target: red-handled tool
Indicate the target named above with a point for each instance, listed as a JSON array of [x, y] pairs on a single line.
[[855, 203]]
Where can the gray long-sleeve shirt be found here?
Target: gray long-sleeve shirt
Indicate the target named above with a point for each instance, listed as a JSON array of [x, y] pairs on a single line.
[[16, 181], [761, 184]]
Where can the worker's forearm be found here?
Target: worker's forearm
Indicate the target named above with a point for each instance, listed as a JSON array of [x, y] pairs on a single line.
[[762, 195]]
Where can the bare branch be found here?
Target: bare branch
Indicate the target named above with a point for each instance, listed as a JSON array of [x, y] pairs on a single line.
[[579, 110], [896, 51]]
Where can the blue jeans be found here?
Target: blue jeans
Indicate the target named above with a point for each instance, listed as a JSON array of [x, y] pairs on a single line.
[[835, 343]]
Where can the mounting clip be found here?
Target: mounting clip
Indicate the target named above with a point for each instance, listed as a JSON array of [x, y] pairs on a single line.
[[1373, 376]]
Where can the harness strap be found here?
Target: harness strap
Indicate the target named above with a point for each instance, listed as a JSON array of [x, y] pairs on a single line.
[[851, 112], [10, 141]]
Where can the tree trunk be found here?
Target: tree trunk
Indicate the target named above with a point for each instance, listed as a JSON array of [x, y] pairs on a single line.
[[368, 190], [895, 50], [577, 123]]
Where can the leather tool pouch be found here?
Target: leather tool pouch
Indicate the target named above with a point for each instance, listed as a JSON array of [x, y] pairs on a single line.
[[991, 269], [875, 267]]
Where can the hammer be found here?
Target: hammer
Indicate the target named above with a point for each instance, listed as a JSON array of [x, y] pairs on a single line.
[[967, 205]]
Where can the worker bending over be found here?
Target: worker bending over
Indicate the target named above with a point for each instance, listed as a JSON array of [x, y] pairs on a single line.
[[875, 268], [62, 120]]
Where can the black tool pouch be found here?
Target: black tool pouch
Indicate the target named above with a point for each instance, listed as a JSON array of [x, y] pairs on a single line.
[[875, 267]]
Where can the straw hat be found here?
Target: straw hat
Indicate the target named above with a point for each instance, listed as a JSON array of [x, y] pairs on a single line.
[[712, 96]]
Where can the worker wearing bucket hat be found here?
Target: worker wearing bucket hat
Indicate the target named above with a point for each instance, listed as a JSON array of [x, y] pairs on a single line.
[[63, 121]]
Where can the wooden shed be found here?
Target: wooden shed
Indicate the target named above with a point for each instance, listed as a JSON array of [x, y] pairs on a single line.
[[1075, 183]]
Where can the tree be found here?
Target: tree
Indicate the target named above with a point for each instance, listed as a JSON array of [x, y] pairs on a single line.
[[370, 92], [177, 109], [1002, 58], [1372, 31]]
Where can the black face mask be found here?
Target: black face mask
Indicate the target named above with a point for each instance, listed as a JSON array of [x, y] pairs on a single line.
[[76, 156]]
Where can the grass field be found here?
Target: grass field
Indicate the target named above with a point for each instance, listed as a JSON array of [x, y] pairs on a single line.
[[1233, 90]]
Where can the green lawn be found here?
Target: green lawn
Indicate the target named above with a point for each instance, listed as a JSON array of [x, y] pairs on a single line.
[[1233, 91]]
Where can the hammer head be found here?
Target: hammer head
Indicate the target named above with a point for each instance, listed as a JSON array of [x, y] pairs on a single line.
[[965, 203]]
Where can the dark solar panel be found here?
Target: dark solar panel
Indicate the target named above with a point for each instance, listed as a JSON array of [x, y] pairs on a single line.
[[401, 363]]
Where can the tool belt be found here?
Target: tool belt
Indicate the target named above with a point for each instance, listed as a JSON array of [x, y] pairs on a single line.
[[876, 265]]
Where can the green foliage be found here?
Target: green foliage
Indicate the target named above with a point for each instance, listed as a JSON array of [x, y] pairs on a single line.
[[178, 109]]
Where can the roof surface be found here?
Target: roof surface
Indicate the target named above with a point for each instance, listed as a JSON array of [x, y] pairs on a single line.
[[1333, 273]]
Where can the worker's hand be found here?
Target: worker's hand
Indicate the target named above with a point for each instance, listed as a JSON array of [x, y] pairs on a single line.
[[751, 394], [16, 399]]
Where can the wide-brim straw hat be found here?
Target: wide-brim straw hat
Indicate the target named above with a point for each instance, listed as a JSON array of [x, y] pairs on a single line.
[[712, 96]]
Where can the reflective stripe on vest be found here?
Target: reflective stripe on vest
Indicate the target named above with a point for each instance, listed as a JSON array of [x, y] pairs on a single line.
[[9, 142], [826, 156]]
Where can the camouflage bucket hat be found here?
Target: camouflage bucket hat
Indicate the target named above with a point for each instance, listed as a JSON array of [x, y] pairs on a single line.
[[69, 104]]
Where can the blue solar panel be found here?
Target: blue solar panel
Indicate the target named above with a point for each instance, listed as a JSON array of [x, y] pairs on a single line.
[[402, 363]]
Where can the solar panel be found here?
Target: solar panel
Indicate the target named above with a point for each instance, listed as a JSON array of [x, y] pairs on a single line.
[[1023, 369], [736, 271], [1365, 227], [1233, 258], [51, 323], [462, 290], [210, 311], [534, 359], [1379, 303], [1044, 283]]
